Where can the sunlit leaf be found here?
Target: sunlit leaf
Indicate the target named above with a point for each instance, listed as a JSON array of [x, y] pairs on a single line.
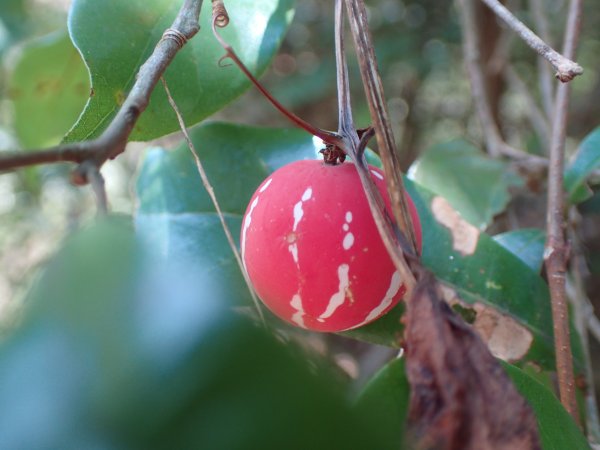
[[474, 184], [527, 244], [49, 86], [115, 38]]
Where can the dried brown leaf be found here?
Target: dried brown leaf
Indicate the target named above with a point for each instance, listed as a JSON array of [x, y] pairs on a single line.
[[461, 398]]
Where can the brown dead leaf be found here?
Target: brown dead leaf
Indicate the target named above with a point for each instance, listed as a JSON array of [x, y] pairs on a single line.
[[461, 398], [505, 337]]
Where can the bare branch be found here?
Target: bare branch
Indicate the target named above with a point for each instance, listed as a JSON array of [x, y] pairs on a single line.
[[494, 142], [213, 198], [555, 254], [383, 130], [566, 69], [113, 140], [96, 180], [536, 116], [544, 75]]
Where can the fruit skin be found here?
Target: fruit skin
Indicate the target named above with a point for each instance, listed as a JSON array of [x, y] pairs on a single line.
[[312, 250]]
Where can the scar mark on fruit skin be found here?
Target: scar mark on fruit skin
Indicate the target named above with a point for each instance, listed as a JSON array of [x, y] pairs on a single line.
[[348, 240], [338, 298], [464, 235], [395, 285], [377, 174], [298, 316]]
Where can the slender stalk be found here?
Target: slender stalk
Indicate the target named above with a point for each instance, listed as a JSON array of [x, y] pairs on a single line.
[[555, 254], [359, 26], [211, 193], [544, 75], [493, 139], [356, 148]]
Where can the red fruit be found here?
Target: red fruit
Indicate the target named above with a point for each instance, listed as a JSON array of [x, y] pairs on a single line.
[[312, 249]]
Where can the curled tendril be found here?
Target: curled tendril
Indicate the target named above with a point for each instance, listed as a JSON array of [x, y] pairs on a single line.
[[219, 14], [222, 63]]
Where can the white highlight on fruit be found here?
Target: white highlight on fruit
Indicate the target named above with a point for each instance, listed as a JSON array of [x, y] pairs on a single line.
[[345, 227], [377, 174], [248, 219], [298, 316], [395, 284], [247, 223], [298, 214], [338, 298], [266, 185], [348, 241], [349, 216]]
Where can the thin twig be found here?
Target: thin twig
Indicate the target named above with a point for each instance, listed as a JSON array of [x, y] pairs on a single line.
[[96, 181], [494, 142], [373, 86], [594, 326], [356, 148], [544, 75], [555, 254], [582, 312], [213, 198], [536, 115], [566, 69], [113, 140], [326, 136]]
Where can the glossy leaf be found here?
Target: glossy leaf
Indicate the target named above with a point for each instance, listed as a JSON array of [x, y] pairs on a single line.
[[585, 161], [474, 184], [175, 214], [13, 16], [385, 400], [488, 275], [526, 244], [117, 352], [49, 87], [115, 38], [237, 159], [557, 429]]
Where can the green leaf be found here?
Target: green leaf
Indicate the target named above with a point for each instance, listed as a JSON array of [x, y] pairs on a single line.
[[172, 202], [176, 216], [384, 402], [117, 352], [49, 86], [490, 281], [557, 429], [487, 275], [526, 244], [474, 184], [115, 40], [585, 161]]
